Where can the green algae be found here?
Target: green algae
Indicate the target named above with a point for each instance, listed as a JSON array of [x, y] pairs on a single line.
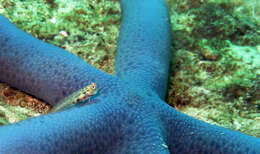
[[88, 29], [213, 79], [215, 76]]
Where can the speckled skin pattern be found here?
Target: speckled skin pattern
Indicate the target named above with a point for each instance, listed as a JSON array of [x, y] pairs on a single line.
[[129, 114]]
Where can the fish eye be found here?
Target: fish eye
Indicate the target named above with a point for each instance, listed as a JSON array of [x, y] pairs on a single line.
[[93, 87]]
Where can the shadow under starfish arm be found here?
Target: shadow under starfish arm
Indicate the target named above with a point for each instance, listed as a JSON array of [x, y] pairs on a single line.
[[42, 69], [140, 60]]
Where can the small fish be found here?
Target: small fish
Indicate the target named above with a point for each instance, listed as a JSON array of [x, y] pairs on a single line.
[[76, 97]]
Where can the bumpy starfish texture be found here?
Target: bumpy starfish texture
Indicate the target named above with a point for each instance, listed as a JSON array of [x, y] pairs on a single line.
[[128, 115]]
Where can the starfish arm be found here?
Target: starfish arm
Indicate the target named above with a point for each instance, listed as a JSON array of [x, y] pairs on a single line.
[[189, 135], [144, 45], [70, 131], [124, 118], [42, 69], [107, 126]]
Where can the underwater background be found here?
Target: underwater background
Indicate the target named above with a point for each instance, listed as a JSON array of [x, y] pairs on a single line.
[[215, 73]]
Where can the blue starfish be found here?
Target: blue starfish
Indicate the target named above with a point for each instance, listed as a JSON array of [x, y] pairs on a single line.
[[129, 114]]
